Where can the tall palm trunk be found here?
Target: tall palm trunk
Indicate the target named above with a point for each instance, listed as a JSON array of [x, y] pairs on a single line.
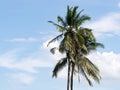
[[72, 72], [68, 76]]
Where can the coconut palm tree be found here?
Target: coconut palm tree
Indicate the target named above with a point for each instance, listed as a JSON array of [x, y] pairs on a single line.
[[76, 42]]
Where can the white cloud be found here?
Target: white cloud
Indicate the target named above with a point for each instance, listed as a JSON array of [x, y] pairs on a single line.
[[29, 64], [6, 59], [108, 25], [23, 78], [23, 66], [108, 63], [30, 39]]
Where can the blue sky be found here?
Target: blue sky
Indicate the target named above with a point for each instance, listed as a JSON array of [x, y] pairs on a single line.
[[25, 61]]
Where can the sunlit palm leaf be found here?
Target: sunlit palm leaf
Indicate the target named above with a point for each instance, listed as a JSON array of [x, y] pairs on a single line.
[[84, 48], [82, 71], [79, 39], [90, 68]]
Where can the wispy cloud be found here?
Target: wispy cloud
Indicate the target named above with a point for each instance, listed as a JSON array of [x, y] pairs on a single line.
[[108, 25], [28, 64], [24, 66], [23, 78], [30, 39]]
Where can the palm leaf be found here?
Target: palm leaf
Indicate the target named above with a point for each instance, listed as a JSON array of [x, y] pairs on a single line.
[[82, 19], [59, 27], [79, 39], [52, 50], [62, 47], [78, 15], [60, 19], [74, 11], [60, 65], [82, 71], [90, 68], [99, 45], [76, 20], [69, 16], [55, 39], [84, 48]]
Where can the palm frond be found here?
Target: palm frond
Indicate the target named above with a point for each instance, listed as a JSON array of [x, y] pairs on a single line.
[[82, 71], [82, 19], [78, 15], [88, 33], [60, 19], [90, 68], [90, 41], [84, 49], [55, 39], [59, 27], [79, 39], [93, 45], [76, 24], [60, 65], [52, 50], [69, 16], [74, 11], [62, 47], [99, 45]]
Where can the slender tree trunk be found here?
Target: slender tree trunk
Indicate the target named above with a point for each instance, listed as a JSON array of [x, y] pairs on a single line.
[[68, 76], [72, 72]]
